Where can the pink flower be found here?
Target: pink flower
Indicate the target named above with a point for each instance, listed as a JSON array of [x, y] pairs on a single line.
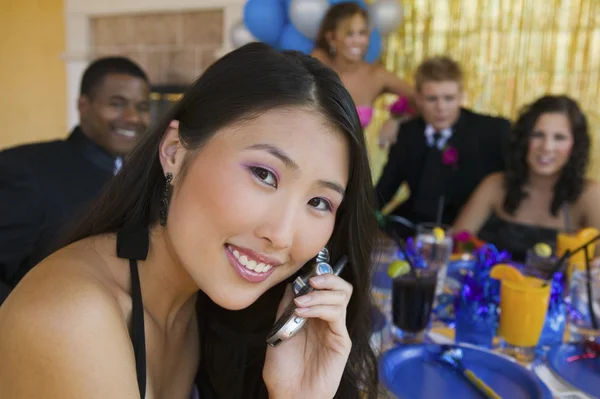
[[401, 107], [450, 156], [462, 236]]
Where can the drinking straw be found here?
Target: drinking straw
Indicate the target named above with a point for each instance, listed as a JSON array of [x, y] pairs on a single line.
[[401, 244], [557, 267], [584, 246], [567, 255], [588, 286], [440, 211]]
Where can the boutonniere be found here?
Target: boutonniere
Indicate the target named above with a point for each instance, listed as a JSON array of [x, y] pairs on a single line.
[[450, 156]]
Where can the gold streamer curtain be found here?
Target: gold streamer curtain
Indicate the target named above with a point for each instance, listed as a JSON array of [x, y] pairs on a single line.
[[511, 51]]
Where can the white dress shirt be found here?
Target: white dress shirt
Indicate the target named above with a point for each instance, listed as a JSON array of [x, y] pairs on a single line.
[[118, 164], [445, 134]]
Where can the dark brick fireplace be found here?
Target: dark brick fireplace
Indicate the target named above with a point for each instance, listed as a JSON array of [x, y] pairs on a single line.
[[174, 48]]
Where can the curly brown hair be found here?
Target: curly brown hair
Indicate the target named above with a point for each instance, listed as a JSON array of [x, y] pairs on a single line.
[[569, 185], [332, 18]]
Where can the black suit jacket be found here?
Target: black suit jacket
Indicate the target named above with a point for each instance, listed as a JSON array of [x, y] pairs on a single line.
[[480, 141], [42, 187]]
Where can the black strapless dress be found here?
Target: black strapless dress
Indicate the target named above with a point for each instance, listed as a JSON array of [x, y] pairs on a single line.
[[516, 238]]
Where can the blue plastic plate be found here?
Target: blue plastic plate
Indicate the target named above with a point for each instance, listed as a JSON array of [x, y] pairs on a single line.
[[412, 372], [584, 374]]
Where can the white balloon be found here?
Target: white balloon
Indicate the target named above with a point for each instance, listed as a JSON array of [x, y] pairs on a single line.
[[306, 16], [240, 35], [385, 15]]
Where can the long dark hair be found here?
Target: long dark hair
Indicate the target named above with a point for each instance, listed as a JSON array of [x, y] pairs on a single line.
[[244, 84], [569, 185], [332, 18]]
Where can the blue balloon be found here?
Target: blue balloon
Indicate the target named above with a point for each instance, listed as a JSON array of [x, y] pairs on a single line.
[[286, 20], [374, 50], [265, 19], [360, 2], [291, 39], [286, 9]]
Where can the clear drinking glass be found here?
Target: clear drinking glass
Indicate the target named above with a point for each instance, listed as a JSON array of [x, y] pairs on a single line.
[[539, 266], [434, 250], [385, 252], [579, 317]]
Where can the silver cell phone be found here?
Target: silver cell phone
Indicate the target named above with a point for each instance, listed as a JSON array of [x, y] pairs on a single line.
[[289, 324]]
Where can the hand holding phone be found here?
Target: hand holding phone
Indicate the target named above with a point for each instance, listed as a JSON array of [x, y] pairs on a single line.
[[310, 365], [289, 324]]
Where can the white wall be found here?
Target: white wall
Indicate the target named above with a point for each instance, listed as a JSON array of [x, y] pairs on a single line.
[[78, 43]]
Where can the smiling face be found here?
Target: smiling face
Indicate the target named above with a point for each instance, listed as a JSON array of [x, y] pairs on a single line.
[[257, 202], [550, 144], [117, 114], [350, 38]]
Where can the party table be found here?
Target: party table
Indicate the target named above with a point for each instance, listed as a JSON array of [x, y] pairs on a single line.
[[440, 333]]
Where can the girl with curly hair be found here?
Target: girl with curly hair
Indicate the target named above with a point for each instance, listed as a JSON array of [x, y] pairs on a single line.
[[544, 189]]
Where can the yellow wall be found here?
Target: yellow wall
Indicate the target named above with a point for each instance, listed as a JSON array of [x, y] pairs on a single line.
[[32, 73]]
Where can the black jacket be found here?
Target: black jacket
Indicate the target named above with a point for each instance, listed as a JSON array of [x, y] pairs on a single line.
[[42, 187], [480, 141]]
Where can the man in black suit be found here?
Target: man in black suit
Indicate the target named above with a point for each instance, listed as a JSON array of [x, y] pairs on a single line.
[[45, 185], [443, 154]]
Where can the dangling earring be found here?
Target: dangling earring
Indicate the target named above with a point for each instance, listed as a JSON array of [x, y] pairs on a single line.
[[331, 50], [164, 199]]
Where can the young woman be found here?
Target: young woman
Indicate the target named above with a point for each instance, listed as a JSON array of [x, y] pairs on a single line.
[[544, 187], [260, 166], [342, 43]]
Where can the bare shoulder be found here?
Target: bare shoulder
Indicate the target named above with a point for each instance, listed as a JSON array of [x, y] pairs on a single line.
[[494, 183], [587, 204], [378, 71], [63, 334], [378, 68], [591, 190], [590, 196], [492, 190], [73, 273]]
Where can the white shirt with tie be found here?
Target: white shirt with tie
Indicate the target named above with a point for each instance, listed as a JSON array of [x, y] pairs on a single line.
[[118, 165], [445, 135]]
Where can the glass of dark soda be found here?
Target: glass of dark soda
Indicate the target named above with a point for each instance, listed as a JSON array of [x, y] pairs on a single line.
[[413, 296]]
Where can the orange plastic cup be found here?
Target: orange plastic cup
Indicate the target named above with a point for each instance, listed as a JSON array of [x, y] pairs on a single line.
[[523, 308], [568, 241]]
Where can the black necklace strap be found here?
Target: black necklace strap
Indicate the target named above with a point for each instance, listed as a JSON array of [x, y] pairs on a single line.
[[133, 244], [138, 335]]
